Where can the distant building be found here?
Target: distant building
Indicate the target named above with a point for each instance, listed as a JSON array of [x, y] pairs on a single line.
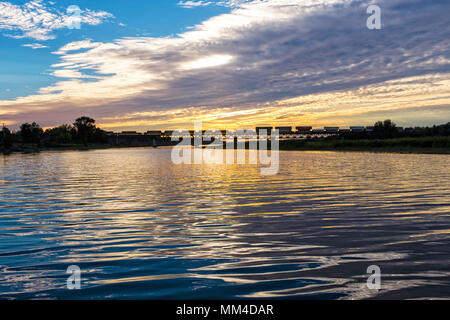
[[168, 133], [318, 131], [154, 133], [304, 129], [284, 130], [370, 129], [331, 129], [357, 129], [267, 130], [344, 131], [129, 133]]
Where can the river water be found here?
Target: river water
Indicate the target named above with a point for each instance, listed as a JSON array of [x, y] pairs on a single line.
[[140, 227]]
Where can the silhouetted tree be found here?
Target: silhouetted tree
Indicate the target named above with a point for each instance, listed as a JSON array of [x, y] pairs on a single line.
[[386, 129], [100, 136], [443, 130], [5, 138], [31, 133], [85, 128], [59, 135]]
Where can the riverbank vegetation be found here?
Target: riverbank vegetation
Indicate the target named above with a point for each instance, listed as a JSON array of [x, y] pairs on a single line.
[[83, 134], [385, 137], [431, 144]]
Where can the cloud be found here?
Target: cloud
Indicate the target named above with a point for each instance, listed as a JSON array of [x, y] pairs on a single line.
[[34, 46], [36, 20], [77, 45], [207, 62], [202, 3], [193, 4], [268, 62]]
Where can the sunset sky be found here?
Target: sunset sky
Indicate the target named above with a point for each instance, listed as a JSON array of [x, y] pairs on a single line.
[[141, 65]]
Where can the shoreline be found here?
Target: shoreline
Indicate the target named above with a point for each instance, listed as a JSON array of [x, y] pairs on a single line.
[[378, 150], [284, 146], [28, 150], [408, 145]]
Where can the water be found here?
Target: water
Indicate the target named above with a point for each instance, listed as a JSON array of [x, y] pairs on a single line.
[[140, 227]]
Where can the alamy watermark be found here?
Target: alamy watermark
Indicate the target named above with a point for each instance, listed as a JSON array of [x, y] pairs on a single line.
[[74, 280], [74, 20], [374, 20], [192, 150], [374, 280]]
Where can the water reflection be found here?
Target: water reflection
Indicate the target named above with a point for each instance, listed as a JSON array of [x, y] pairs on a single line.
[[141, 227]]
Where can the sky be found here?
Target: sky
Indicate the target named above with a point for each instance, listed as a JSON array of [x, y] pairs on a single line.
[[157, 65]]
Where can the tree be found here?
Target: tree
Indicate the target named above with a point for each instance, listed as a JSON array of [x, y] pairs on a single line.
[[60, 135], [31, 133], [100, 136], [85, 128], [5, 138], [386, 129]]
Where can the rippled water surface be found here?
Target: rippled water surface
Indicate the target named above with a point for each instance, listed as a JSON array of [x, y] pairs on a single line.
[[141, 227]]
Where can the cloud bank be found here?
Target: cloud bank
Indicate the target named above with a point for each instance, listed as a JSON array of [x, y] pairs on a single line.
[[37, 20]]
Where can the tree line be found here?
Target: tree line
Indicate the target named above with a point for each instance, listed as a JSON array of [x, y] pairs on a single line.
[[388, 129], [82, 131]]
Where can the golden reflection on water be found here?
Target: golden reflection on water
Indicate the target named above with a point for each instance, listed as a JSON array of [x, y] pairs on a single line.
[[131, 216]]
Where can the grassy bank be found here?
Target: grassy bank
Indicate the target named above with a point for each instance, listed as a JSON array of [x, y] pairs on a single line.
[[79, 147], [439, 145], [435, 145], [34, 148]]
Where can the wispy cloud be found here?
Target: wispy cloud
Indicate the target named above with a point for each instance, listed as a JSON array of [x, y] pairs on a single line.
[[193, 4], [309, 61], [223, 3], [37, 19], [34, 46], [77, 45]]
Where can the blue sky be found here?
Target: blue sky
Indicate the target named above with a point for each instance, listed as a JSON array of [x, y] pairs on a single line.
[[145, 65], [25, 70]]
